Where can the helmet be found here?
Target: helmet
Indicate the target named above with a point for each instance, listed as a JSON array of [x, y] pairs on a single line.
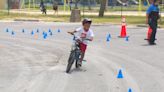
[[87, 20]]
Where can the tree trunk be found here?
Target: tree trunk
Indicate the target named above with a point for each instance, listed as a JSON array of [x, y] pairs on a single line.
[[75, 15], [102, 8], [106, 8]]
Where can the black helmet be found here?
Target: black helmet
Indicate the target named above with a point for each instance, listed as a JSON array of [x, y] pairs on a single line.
[[87, 20]]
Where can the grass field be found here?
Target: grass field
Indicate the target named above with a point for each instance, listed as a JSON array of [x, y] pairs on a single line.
[[113, 19]]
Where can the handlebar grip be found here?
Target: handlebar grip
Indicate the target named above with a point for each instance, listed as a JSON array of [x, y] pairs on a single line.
[[70, 33]]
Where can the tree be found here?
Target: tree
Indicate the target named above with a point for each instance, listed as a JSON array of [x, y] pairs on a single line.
[[102, 8]]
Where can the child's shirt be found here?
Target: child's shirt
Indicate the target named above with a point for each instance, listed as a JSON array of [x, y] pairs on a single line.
[[83, 34]]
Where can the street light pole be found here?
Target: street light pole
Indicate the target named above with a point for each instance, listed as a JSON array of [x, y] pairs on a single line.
[[161, 10], [29, 4], [121, 10], [83, 8], [8, 7], [76, 1]]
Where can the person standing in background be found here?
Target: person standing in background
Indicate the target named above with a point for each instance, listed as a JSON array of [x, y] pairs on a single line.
[[152, 16]]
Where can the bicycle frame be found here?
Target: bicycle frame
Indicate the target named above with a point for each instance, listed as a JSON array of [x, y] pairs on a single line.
[[76, 48]]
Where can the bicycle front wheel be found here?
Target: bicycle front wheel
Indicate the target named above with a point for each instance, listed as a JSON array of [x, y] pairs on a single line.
[[70, 62]]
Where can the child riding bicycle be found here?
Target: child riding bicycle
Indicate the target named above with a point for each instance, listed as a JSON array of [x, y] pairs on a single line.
[[84, 32]]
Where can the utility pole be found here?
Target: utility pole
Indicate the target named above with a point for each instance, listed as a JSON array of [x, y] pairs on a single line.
[[76, 1], [121, 10], [8, 7]]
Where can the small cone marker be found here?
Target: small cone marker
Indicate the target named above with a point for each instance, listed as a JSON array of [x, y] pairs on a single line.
[[108, 38], [37, 31], [49, 30], [12, 33], [120, 75], [127, 38], [45, 35], [23, 31], [59, 31], [32, 33], [7, 30], [130, 90]]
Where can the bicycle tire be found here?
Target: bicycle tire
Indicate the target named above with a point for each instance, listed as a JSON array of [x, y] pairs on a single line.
[[70, 62], [69, 65]]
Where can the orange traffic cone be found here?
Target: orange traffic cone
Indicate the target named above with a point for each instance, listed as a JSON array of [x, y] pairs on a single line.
[[123, 28], [149, 33]]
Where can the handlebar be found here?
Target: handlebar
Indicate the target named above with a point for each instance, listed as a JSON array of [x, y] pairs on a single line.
[[78, 38]]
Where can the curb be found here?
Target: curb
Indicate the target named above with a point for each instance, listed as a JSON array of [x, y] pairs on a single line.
[[30, 20]]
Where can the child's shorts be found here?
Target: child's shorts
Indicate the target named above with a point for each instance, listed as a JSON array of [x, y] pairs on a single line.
[[83, 47]]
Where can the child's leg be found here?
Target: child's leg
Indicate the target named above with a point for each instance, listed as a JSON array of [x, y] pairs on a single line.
[[83, 48], [82, 56]]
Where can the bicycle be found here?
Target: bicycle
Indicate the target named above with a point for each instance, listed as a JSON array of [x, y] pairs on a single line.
[[75, 53]]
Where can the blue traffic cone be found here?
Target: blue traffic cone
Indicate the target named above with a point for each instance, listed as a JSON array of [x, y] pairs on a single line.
[[49, 30], [127, 38], [130, 90], [43, 33], [12, 33], [59, 31], [7, 30], [44, 36], [108, 37], [32, 33], [120, 75], [23, 30], [37, 31]]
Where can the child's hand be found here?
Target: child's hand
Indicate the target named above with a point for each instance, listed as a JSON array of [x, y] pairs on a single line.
[[91, 39], [70, 33]]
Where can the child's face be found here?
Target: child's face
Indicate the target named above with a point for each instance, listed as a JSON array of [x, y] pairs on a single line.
[[86, 26]]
